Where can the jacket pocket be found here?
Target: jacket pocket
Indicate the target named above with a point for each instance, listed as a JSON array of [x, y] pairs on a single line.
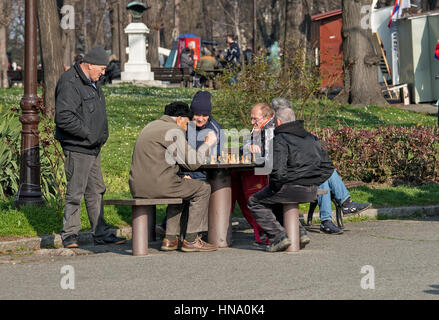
[[89, 103]]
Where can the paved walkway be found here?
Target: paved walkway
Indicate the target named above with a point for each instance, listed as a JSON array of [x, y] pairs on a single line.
[[420, 108], [404, 256]]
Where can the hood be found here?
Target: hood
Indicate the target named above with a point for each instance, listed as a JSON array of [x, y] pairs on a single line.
[[295, 128]]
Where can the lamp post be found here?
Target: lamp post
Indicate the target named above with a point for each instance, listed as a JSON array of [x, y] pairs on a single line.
[[30, 189]]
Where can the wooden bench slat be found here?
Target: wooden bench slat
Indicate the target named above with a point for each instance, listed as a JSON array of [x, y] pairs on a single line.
[[142, 202]]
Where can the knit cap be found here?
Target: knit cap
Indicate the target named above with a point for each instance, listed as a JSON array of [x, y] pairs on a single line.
[[97, 56], [201, 103]]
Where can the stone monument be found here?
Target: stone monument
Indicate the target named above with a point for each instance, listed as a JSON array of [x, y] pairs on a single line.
[[137, 68]]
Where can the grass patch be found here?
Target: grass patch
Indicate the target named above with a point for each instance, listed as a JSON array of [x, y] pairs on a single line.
[[130, 108]]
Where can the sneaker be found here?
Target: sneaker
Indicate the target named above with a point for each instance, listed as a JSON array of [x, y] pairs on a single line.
[[350, 207], [304, 239], [329, 227], [111, 239], [280, 245], [263, 240], [70, 242]]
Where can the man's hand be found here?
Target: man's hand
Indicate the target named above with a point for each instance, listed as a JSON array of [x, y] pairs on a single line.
[[187, 177], [254, 148], [210, 139]]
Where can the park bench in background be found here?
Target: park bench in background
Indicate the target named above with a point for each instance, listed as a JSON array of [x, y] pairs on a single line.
[[174, 75], [143, 220], [17, 76]]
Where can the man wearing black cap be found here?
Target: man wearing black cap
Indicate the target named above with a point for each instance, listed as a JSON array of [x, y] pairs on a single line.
[[82, 129], [160, 152]]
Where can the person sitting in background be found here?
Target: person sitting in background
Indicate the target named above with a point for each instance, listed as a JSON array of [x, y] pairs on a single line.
[[205, 65], [113, 70], [334, 184]]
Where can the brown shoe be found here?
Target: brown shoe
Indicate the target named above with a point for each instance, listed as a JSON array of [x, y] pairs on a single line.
[[169, 245], [197, 246]]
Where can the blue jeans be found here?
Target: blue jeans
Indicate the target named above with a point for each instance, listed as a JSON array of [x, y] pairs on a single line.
[[337, 186]]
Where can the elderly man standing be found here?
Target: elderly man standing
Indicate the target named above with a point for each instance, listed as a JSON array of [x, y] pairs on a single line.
[[160, 152], [82, 129]]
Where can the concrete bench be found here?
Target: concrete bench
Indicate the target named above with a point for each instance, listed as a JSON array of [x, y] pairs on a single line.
[[143, 220], [291, 222]]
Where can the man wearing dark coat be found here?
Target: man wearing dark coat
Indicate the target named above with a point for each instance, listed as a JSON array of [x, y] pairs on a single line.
[[82, 130], [300, 165]]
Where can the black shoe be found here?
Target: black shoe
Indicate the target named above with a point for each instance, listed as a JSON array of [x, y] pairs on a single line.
[[111, 239], [328, 226], [70, 242], [282, 244], [304, 239], [350, 207]]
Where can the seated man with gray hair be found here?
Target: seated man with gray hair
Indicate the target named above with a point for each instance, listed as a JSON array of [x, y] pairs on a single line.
[[300, 165], [334, 184]]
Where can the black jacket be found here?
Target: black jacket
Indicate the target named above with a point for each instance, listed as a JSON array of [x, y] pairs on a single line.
[[80, 113], [298, 158]]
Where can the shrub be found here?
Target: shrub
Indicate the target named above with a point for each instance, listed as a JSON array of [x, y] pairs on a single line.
[[51, 159], [294, 78], [384, 154]]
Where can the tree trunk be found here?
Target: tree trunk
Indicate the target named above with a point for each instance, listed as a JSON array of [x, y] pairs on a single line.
[[69, 40], [3, 57], [115, 30], [154, 22], [361, 86], [177, 17], [51, 51], [3, 44]]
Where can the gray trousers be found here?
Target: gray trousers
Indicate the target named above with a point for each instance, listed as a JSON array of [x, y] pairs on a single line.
[[267, 209], [84, 179], [197, 192]]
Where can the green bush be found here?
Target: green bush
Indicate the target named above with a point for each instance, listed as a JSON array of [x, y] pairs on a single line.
[[51, 158], [294, 78], [9, 155], [385, 154]]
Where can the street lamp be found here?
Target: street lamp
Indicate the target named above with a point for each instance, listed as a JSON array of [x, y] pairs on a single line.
[[30, 189], [137, 8]]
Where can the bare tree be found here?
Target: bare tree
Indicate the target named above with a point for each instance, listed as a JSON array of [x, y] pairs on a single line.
[[155, 22], [118, 21], [51, 52], [69, 39], [5, 19], [361, 85]]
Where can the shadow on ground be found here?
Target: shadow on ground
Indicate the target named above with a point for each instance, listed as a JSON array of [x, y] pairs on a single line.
[[435, 291]]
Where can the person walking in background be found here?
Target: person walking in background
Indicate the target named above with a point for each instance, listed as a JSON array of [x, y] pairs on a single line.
[[82, 130], [233, 58]]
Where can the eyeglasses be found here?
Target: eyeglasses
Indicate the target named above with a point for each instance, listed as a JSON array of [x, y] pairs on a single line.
[[256, 119]]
